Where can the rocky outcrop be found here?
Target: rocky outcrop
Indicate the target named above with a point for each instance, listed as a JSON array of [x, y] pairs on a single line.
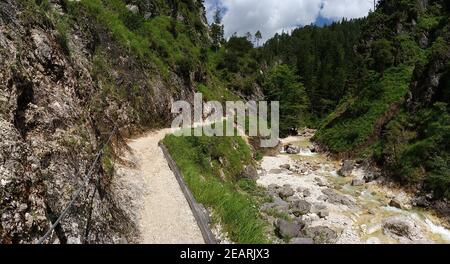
[[287, 229], [286, 192], [59, 100], [250, 172], [334, 197], [321, 234], [358, 182], [395, 203], [346, 169], [402, 228], [291, 149], [427, 86], [301, 207]]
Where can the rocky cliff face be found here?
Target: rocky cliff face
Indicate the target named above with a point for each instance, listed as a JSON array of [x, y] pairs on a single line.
[[65, 80]]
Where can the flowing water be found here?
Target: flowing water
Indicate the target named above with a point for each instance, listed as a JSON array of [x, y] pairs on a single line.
[[362, 219]]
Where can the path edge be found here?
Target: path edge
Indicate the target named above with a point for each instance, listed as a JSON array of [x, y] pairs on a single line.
[[199, 215]]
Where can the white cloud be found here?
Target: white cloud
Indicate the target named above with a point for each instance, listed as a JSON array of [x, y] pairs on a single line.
[[346, 8], [271, 16]]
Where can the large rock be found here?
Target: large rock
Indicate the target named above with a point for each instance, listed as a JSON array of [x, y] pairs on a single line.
[[276, 171], [401, 202], [336, 198], [291, 149], [300, 207], [286, 192], [133, 8], [396, 203], [273, 189], [43, 46], [250, 172], [321, 234], [401, 227], [287, 229], [278, 204], [316, 208], [370, 176], [358, 182], [346, 169]]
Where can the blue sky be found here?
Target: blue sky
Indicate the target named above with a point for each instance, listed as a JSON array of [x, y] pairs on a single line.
[[272, 16]]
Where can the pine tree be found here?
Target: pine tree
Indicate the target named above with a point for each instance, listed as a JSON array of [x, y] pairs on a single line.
[[282, 85], [249, 36], [258, 37], [217, 30]]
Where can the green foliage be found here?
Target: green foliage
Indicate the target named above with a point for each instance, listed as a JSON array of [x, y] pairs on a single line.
[[218, 93], [408, 50], [324, 59], [111, 18], [236, 56], [217, 30], [162, 43], [428, 22], [62, 24], [107, 163], [236, 65], [417, 148], [282, 85], [234, 200], [149, 40], [353, 125], [382, 54]]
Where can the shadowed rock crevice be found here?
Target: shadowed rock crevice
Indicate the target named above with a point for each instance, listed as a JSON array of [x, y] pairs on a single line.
[[25, 96], [59, 231]]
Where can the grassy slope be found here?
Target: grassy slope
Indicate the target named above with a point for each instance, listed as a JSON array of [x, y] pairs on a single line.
[[355, 120], [234, 200]]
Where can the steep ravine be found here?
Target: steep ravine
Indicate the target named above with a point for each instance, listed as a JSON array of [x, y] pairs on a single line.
[[318, 204]]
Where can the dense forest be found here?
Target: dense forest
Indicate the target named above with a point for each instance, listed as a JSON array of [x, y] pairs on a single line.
[[322, 57]]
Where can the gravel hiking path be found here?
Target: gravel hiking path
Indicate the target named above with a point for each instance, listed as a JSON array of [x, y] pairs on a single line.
[[165, 216]]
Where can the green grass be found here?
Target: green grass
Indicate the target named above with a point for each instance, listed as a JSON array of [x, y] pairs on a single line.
[[417, 147], [148, 39], [216, 92], [211, 167]]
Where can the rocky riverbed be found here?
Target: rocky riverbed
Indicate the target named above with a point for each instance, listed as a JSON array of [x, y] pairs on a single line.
[[320, 200]]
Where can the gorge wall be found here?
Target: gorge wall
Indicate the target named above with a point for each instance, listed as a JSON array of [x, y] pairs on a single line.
[[70, 71]]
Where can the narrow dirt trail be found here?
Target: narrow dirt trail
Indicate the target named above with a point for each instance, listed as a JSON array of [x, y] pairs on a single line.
[[165, 216]]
